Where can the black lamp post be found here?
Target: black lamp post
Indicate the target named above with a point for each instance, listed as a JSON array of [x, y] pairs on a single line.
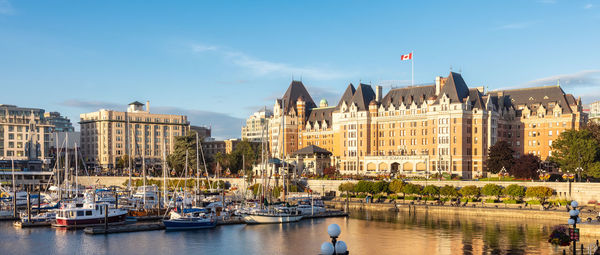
[[573, 220]]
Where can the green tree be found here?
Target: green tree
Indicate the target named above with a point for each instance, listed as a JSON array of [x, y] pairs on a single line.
[[412, 189], [123, 162], [500, 155], [176, 160], [364, 187], [594, 129], [577, 148], [381, 187], [449, 191], [526, 166], [396, 186], [492, 190], [242, 157], [469, 191], [432, 191], [515, 191], [347, 187], [541, 193]]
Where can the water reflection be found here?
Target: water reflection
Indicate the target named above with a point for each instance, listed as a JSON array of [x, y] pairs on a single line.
[[365, 232]]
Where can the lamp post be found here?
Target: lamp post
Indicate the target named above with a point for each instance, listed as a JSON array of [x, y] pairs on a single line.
[[502, 172], [573, 220], [542, 174], [334, 247]]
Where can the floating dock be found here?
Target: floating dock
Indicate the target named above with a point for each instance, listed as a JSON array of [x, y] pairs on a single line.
[[20, 224], [124, 228], [328, 214]]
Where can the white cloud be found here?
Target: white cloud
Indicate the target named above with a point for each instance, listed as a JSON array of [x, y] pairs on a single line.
[[202, 48], [584, 78], [588, 6], [261, 67], [6, 8]]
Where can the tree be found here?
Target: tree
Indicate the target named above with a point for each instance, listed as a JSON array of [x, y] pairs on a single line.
[[470, 191], [449, 191], [242, 157], [381, 187], [542, 193], [432, 191], [123, 162], [364, 187], [515, 191], [500, 155], [412, 189], [347, 187], [176, 160], [396, 186], [577, 148], [526, 166], [492, 190], [330, 171], [594, 129]]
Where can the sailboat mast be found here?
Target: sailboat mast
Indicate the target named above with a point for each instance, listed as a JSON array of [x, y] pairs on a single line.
[[164, 172], [128, 142], [197, 170], [67, 184], [56, 166], [76, 172], [144, 174]]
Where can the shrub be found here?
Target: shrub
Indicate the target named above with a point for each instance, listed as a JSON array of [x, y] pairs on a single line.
[[542, 193], [511, 201], [490, 201], [347, 187], [431, 190], [364, 187], [534, 202], [515, 192], [381, 187], [393, 196], [396, 186], [470, 191], [409, 198], [449, 191], [412, 189], [492, 190]]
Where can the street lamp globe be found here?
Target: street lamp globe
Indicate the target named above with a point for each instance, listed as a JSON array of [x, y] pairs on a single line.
[[327, 248], [574, 203], [573, 212], [340, 247], [570, 221], [334, 230]]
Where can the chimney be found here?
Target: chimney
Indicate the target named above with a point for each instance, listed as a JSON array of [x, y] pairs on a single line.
[[438, 85], [378, 93], [148, 105]]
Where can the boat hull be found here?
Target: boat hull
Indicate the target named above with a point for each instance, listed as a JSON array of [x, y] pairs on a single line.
[[120, 218], [183, 225], [270, 219]]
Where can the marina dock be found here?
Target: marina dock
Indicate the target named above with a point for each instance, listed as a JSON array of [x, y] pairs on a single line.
[[124, 228], [21, 224]]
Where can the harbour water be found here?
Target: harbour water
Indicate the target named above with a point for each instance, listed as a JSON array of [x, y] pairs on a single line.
[[365, 233]]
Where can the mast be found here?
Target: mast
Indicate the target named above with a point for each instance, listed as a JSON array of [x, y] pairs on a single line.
[[67, 165], [56, 166], [127, 142], [76, 172], [197, 171], [283, 148], [185, 175], [164, 172], [144, 174], [204, 162]]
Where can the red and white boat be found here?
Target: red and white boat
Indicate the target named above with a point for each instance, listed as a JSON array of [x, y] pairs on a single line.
[[88, 214]]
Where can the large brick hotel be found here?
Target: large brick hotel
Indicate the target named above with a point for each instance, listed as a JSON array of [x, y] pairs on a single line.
[[445, 126]]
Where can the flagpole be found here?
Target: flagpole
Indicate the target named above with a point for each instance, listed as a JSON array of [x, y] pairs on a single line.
[[412, 62]]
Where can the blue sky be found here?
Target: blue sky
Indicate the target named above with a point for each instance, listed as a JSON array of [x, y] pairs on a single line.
[[218, 61]]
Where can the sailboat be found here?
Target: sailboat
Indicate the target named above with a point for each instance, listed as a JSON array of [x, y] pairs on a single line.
[[279, 214]]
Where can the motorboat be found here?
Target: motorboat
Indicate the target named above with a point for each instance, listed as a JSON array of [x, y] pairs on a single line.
[[196, 219], [88, 214]]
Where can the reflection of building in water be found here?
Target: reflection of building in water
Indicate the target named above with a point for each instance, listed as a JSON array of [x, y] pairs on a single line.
[[442, 127]]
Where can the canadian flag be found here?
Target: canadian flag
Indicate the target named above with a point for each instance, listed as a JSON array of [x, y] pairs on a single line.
[[406, 56]]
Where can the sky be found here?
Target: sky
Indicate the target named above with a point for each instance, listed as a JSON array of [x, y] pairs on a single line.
[[219, 61]]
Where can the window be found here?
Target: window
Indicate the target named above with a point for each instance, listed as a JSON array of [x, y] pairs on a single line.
[[550, 133], [88, 213], [79, 213]]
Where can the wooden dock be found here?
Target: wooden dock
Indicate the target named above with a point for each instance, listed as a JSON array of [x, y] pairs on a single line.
[[20, 224], [328, 214], [124, 228]]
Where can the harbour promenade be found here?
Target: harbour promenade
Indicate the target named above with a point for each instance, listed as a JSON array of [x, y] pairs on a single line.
[[580, 191]]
